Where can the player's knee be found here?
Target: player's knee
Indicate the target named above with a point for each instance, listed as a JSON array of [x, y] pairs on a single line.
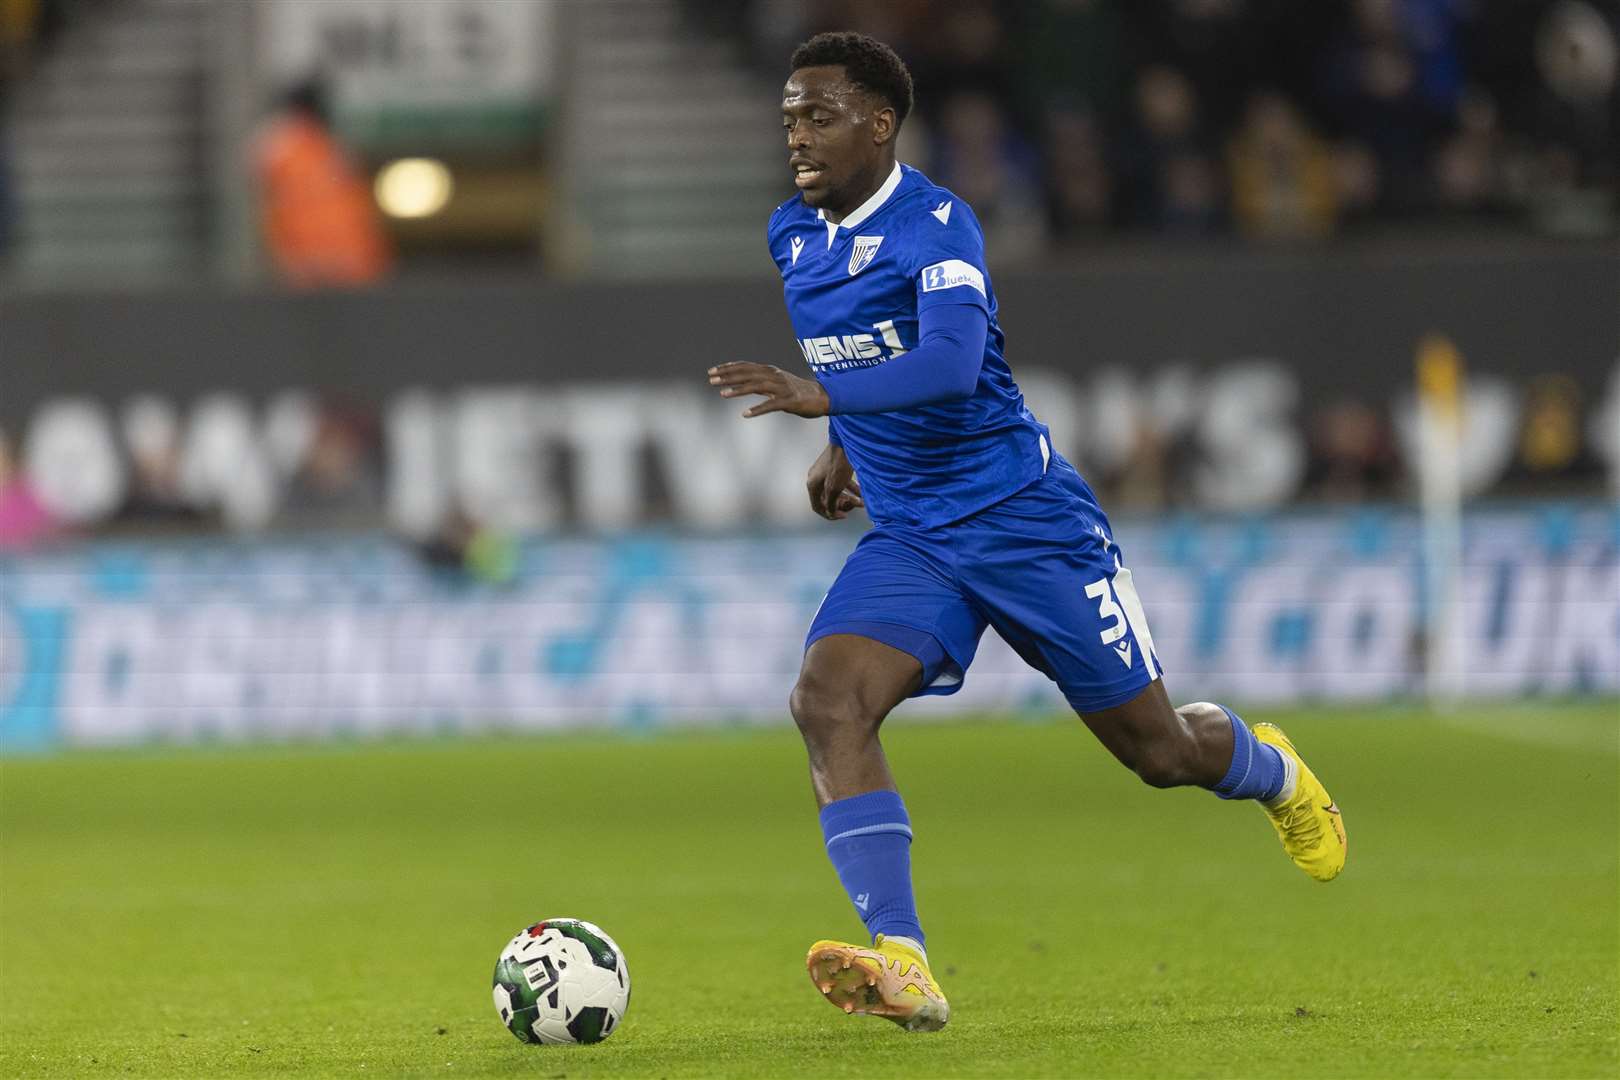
[[1201, 712], [823, 711], [1163, 765]]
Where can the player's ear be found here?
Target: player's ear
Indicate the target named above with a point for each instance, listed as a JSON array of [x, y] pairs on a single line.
[[883, 126]]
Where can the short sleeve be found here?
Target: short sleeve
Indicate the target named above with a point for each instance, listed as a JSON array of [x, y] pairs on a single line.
[[950, 258], [777, 242], [770, 241]]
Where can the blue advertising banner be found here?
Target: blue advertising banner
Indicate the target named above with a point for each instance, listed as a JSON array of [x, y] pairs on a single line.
[[117, 643]]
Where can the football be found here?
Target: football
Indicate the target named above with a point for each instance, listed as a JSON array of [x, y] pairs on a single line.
[[561, 981]]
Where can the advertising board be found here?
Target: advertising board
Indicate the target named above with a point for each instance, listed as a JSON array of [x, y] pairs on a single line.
[[216, 640]]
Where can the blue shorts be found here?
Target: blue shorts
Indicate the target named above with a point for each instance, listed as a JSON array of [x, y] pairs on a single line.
[[1040, 566]]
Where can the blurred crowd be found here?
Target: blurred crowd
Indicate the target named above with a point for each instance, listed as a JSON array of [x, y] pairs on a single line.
[[325, 464], [1063, 122], [325, 470], [1068, 121], [1273, 119]]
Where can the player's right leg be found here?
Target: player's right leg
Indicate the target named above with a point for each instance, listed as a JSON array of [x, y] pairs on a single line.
[[848, 685], [894, 624]]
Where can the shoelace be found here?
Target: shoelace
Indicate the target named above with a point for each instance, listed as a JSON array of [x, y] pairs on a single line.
[[1300, 823]]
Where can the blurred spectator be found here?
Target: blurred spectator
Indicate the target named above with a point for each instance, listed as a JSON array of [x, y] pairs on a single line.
[[24, 520], [979, 156], [1578, 117], [340, 476], [1079, 188], [320, 223], [1170, 180], [1576, 54], [469, 552], [1356, 180], [1191, 199], [1283, 185], [1392, 81], [1467, 167], [151, 428], [1144, 482], [1550, 436], [1352, 453]]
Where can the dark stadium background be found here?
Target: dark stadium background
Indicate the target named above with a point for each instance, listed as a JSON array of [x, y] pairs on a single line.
[[388, 420]]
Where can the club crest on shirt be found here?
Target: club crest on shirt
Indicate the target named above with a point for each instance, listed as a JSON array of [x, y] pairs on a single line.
[[863, 251]]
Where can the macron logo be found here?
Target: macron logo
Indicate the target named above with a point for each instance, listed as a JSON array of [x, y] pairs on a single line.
[[1124, 651], [943, 212], [863, 902], [797, 244]]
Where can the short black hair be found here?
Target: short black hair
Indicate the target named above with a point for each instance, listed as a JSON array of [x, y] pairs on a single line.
[[867, 62]]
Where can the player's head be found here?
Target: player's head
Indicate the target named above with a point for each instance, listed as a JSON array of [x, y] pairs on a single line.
[[842, 108]]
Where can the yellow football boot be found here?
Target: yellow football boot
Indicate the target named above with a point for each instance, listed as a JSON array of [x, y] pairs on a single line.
[[1309, 822], [888, 979]]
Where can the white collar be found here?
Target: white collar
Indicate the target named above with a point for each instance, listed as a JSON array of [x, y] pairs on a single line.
[[866, 209]]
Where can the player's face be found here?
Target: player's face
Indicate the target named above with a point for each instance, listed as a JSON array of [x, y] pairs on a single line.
[[838, 137]]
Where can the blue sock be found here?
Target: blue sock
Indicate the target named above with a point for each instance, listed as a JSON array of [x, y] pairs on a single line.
[[1257, 770], [869, 842]]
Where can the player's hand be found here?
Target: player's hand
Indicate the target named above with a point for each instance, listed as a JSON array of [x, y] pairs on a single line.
[[782, 392], [833, 489]]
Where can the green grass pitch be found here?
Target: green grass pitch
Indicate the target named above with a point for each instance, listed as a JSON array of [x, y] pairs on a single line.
[[338, 910]]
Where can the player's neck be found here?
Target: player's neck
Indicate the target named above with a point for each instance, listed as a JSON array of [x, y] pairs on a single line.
[[864, 192]]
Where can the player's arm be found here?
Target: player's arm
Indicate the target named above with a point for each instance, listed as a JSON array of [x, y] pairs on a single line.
[[943, 367], [782, 392]]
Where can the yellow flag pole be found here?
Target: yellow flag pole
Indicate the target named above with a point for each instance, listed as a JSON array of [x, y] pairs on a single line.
[[1441, 421]]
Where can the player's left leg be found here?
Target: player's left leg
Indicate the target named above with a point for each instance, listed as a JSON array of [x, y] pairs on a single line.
[[1209, 746], [1166, 746], [1045, 569]]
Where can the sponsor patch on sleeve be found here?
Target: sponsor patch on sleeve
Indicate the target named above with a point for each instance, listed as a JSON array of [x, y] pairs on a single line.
[[951, 273]]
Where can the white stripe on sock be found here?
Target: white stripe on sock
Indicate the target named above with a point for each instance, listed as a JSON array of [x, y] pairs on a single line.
[[1290, 778], [889, 826]]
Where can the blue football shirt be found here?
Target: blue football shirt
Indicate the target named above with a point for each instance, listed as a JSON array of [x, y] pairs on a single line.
[[854, 291]]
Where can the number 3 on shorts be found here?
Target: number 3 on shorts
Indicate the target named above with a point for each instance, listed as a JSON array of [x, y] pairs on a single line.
[[1107, 608], [1122, 614]]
